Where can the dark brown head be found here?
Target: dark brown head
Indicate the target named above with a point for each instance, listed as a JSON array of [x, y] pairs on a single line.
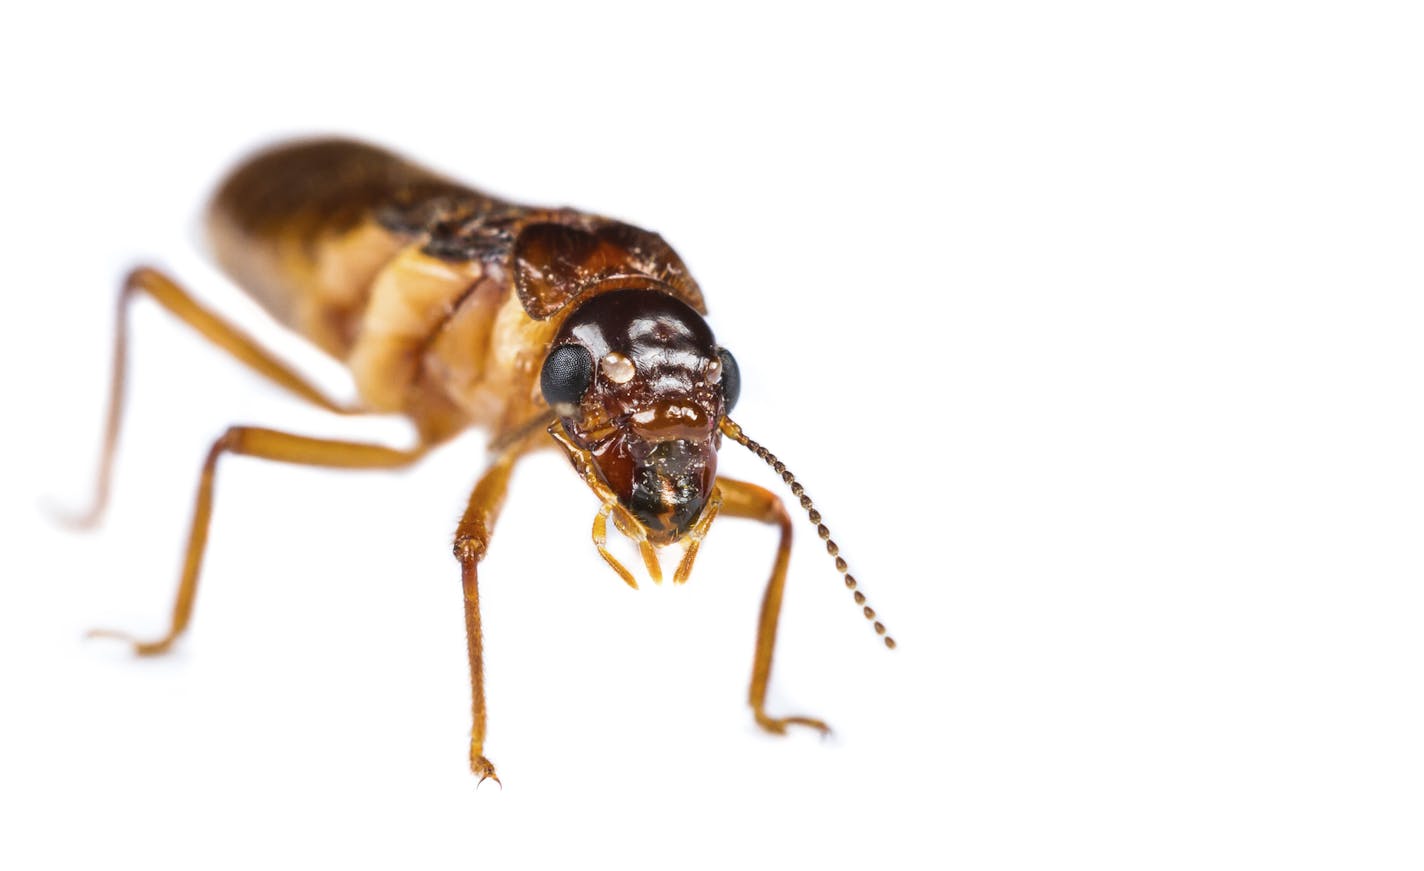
[[639, 383], [642, 392]]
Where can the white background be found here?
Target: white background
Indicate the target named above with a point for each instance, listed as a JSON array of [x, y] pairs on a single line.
[[1094, 329]]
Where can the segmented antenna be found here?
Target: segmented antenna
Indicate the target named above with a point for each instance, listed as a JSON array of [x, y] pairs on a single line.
[[734, 432]]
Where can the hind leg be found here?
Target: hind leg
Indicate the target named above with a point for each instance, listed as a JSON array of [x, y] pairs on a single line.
[[242, 347]]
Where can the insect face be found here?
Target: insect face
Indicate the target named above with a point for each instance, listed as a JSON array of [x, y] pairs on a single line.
[[637, 381]]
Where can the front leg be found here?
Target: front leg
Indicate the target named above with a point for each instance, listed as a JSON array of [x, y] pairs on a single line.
[[740, 499], [472, 539]]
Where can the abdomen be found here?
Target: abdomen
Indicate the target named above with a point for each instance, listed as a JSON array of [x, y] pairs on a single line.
[[299, 227]]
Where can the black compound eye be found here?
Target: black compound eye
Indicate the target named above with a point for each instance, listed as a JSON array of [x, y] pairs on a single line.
[[568, 370], [731, 377]]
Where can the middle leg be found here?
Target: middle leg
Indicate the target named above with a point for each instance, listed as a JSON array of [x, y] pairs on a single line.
[[270, 445]]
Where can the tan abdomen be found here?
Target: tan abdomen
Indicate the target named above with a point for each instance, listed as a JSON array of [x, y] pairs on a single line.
[[330, 236], [297, 227]]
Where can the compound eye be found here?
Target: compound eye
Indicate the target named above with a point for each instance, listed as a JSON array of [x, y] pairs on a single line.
[[731, 378], [567, 372]]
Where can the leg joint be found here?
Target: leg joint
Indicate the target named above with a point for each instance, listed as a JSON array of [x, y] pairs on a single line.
[[135, 280], [469, 547], [228, 441]]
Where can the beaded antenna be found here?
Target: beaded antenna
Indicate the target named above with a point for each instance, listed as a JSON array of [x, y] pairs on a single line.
[[734, 432]]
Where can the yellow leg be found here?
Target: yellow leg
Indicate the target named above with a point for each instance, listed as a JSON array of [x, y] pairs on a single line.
[[270, 445], [740, 499], [168, 294], [472, 539]]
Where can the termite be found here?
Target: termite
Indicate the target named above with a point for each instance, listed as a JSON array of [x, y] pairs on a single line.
[[456, 309]]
